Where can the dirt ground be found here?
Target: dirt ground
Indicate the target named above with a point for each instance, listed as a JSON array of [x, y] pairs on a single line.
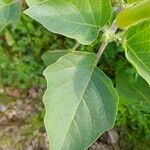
[[21, 123]]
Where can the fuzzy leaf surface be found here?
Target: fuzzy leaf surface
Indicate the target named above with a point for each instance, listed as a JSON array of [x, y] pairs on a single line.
[[137, 48], [80, 20], [134, 14], [80, 102]]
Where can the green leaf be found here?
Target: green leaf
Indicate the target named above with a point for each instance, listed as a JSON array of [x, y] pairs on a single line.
[[51, 57], [33, 2], [9, 13], [80, 20], [80, 102], [2, 3], [134, 14], [133, 1], [137, 48], [133, 90]]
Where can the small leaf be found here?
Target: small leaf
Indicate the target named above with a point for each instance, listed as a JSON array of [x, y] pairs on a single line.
[[137, 48], [80, 102], [80, 20], [51, 57], [134, 14], [133, 91], [9, 13]]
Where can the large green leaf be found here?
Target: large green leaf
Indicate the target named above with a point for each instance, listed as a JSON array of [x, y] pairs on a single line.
[[77, 19], [80, 102], [137, 48], [9, 13], [134, 14], [133, 90]]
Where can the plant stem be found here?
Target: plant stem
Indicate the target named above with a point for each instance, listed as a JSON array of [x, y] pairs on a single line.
[[101, 50], [113, 30], [76, 46]]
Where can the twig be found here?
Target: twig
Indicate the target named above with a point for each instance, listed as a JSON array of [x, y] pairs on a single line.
[[113, 30], [101, 50], [76, 46]]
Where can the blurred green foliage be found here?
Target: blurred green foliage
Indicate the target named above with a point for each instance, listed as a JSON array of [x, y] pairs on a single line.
[[21, 47], [134, 127], [21, 66]]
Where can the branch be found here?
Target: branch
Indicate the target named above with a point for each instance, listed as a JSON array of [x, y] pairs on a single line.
[[76, 46], [112, 30]]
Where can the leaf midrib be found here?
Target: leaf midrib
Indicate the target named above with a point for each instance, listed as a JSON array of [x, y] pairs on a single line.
[[80, 99]]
